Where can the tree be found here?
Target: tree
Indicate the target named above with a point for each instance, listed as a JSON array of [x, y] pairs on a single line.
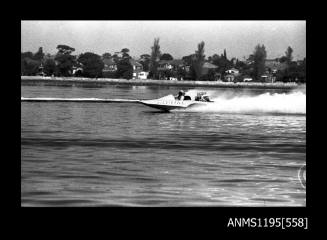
[[30, 66], [259, 58], [222, 63], [233, 61], [65, 60], [165, 74], [166, 56], [155, 56], [189, 60], [125, 52], [240, 65], [25, 55], [145, 61], [115, 58], [283, 59], [30, 63], [64, 49], [288, 55], [210, 76], [199, 60], [49, 67], [65, 64], [292, 71], [225, 54], [296, 72], [92, 64], [181, 73], [145, 56], [106, 55], [22, 67], [39, 55], [124, 69], [302, 71]]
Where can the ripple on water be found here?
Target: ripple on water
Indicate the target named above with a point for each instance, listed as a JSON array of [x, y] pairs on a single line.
[[127, 155]]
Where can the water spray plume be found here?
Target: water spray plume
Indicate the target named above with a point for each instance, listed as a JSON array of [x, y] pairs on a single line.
[[244, 102]]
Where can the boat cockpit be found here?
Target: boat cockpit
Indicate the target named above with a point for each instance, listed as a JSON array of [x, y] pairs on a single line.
[[201, 97]]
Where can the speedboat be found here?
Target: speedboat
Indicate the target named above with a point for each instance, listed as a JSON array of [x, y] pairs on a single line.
[[171, 102], [167, 103]]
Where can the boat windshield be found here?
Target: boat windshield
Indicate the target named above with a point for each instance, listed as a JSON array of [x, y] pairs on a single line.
[[201, 96], [187, 98]]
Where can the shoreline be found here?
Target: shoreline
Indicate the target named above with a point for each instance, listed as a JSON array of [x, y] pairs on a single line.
[[70, 81]]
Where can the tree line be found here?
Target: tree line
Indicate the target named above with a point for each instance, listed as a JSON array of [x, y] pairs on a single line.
[[89, 64]]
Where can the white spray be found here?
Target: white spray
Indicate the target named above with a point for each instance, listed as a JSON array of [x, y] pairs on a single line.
[[245, 102]]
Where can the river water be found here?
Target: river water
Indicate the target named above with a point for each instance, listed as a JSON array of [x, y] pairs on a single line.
[[245, 150]]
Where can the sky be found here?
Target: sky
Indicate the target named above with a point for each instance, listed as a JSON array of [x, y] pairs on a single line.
[[178, 38]]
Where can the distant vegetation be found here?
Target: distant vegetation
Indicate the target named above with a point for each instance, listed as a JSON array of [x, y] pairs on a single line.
[[256, 66], [91, 64], [154, 59]]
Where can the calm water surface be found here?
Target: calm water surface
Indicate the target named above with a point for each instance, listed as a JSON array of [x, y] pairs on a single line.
[[102, 154]]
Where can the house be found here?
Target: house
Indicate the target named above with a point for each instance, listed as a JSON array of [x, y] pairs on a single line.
[[136, 65], [229, 77], [165, 65], [137, 68], [109, 65], [233, 71], [168, 68], [265, 78], [77, 70], [143, 75], [231, 74], [178, 63], [272, 67], [109, 68], [268, 77], [170, 64]]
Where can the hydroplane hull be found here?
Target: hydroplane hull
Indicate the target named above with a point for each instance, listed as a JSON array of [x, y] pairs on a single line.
[[166, 103], [169, 103]]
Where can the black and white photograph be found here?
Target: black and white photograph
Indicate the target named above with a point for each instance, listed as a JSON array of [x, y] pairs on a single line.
[[163, 113]]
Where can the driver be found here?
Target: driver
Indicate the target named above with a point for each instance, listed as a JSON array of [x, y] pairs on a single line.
[[206, 98], [180, 95]]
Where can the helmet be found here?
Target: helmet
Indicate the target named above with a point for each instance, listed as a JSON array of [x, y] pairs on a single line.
[[181, 92]]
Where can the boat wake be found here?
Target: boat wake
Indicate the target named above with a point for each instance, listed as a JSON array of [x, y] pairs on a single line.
[[226, 102], [279, 103], [94, 100]]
